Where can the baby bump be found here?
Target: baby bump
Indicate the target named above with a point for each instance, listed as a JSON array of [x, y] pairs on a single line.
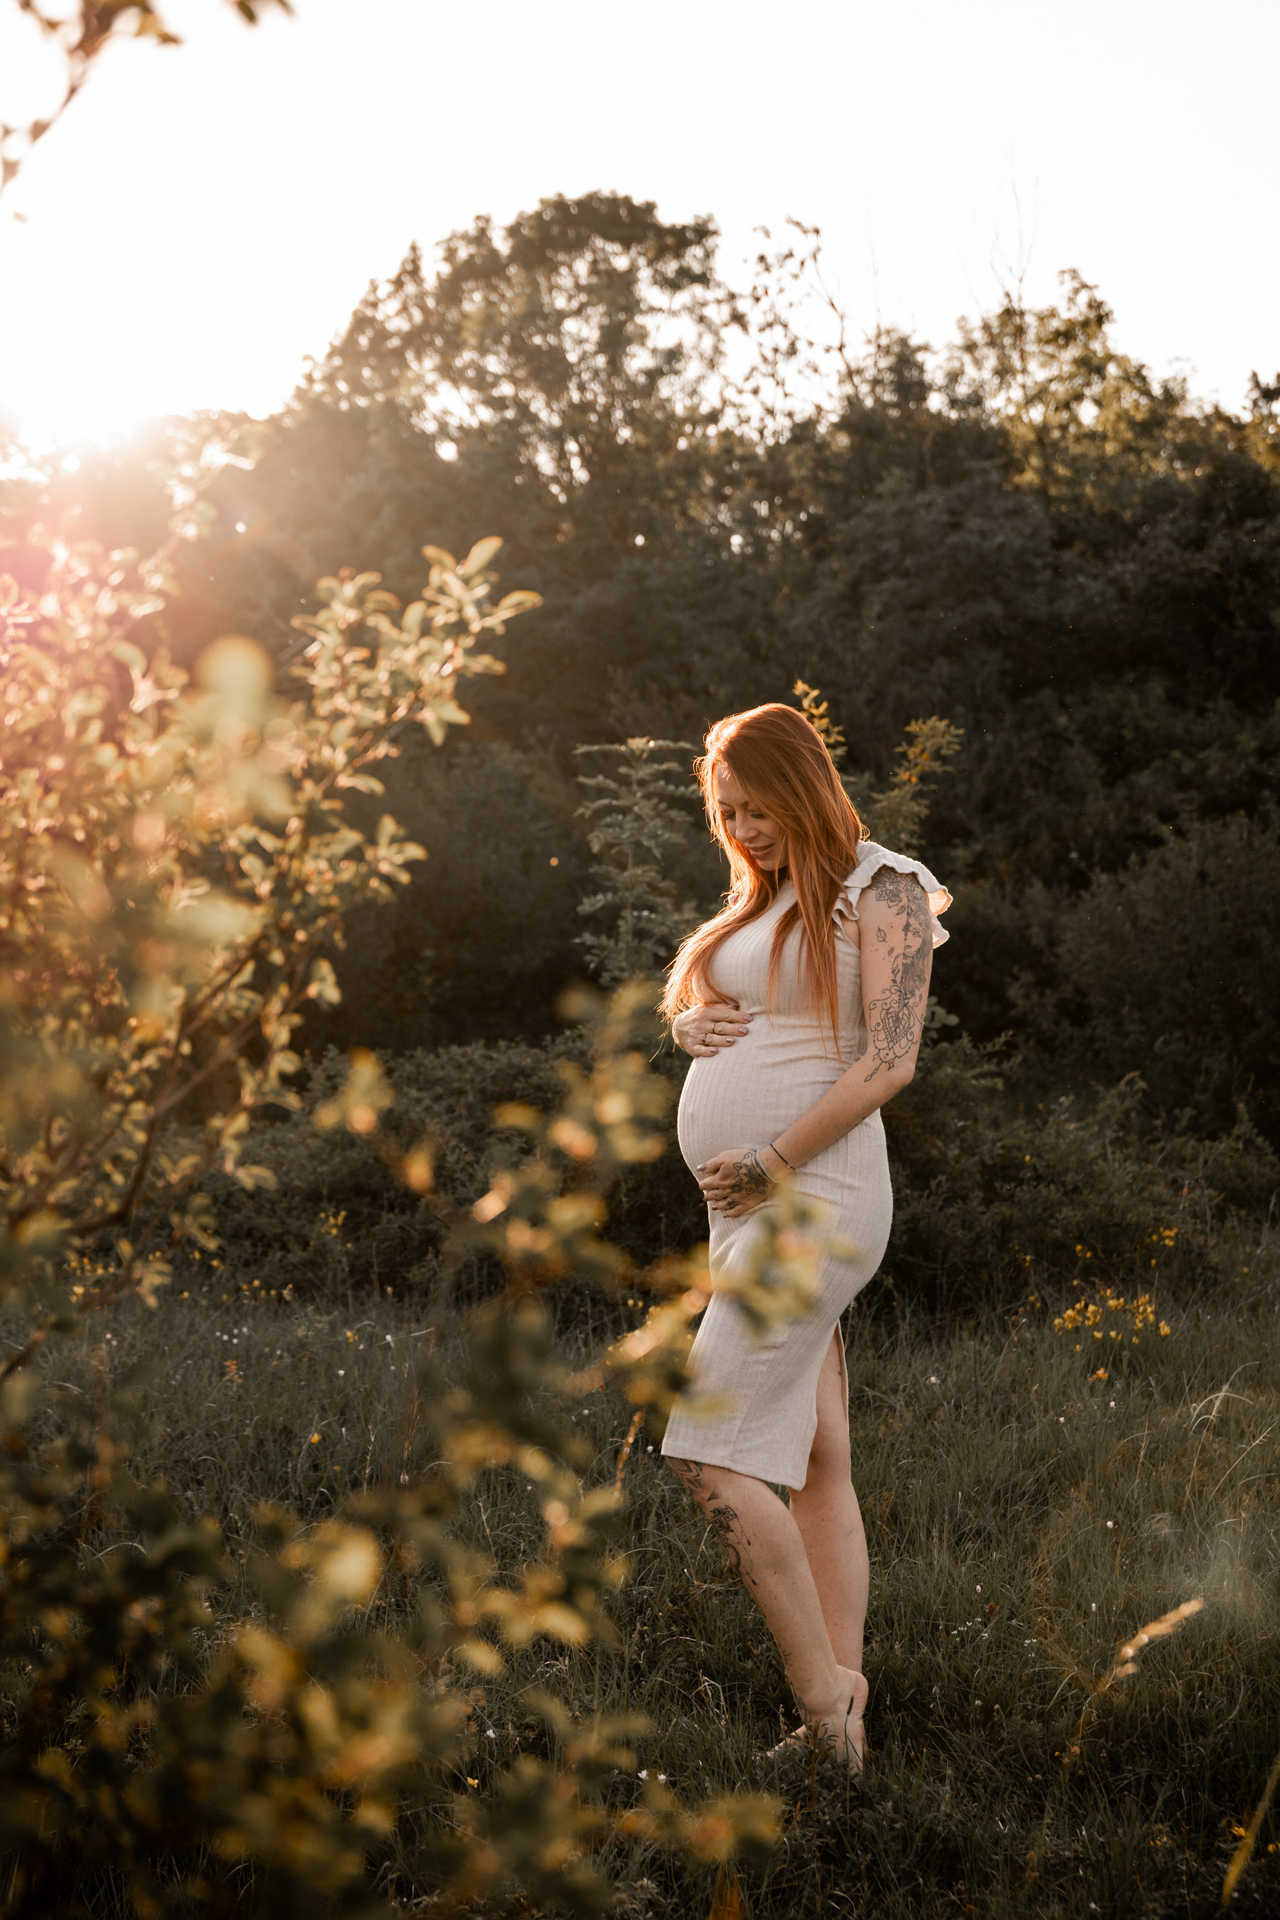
[[850, 1181], [746, 1094]]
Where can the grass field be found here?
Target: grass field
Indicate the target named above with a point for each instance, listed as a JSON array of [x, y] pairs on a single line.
[[1026, 1516]]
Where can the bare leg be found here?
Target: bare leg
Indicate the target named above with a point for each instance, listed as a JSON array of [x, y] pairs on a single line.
[[807, 1567], [827, 1513], [763, 1541]]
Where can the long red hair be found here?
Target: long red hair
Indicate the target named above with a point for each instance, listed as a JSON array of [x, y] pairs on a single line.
[[782, 763]]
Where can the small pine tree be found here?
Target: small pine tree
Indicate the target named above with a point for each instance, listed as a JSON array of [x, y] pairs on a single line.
[[633, 827]]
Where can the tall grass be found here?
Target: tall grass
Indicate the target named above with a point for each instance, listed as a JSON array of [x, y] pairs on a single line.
[[1026, 1518]]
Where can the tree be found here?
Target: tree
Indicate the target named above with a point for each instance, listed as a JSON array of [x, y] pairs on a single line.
[[1080, 415], [563, 374], [587, 324]]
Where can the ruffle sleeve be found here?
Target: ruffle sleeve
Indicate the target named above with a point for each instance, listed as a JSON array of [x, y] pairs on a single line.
[[871, 857]]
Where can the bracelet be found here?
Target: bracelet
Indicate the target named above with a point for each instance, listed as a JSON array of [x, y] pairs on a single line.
[[782, 1156]]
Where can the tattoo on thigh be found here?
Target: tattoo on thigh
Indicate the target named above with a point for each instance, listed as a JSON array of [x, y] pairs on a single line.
[[721, 1517], [689, 1474], [727, 1528]]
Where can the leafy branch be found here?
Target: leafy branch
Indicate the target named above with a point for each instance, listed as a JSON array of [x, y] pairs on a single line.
[[84, 35], [132, 982]]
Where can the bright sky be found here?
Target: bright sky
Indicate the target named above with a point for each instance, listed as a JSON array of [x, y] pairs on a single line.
[[206, 216]]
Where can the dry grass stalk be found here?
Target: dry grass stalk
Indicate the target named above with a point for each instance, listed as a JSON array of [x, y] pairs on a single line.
[[627, 1445], [1127, 1663], [1244, 1852]]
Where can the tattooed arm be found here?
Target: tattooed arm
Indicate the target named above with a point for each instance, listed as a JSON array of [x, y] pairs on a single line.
[[897, 958]]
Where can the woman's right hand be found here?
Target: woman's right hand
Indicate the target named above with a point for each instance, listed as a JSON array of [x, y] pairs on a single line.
[[702, 1031]]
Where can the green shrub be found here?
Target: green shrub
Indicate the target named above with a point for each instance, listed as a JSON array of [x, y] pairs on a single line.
[[1166, 969], [996, 1197], [480, 944], [342, 1223], [341, 1219], [995, 1193]]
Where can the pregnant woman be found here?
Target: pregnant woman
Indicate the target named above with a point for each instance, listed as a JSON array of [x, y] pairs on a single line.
[[802, 1003]]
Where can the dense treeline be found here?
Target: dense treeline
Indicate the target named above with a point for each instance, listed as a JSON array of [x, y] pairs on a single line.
[[1074, 562]]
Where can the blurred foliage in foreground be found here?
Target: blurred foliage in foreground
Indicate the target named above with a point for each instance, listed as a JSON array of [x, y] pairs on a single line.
[[175, 864], [174, 857]]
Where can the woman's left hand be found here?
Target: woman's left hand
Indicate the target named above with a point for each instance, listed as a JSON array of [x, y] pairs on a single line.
[[735, 1182]]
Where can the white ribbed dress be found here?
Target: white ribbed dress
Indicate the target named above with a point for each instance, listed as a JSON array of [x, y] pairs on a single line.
[[746, 1095]]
